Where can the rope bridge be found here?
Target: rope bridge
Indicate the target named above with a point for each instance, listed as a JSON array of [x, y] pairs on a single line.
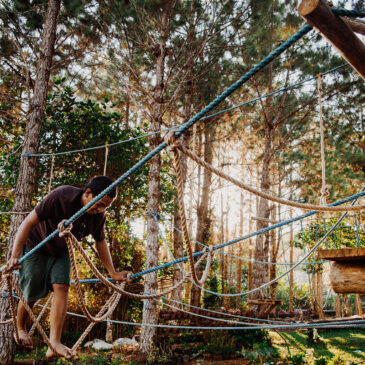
[[171, 142]]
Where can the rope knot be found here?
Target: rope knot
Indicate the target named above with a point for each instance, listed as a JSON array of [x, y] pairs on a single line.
[[210, 250], [324, 194], [64, 231], [129, 276], [171, 140]]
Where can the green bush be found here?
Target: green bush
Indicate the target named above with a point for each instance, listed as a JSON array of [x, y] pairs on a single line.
[[321, 361], [297, 359]]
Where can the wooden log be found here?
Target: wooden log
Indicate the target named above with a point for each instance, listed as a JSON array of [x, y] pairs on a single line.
[[319, 15], [348, 277]]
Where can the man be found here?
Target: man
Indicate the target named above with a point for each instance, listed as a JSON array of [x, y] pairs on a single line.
[[49, 267]]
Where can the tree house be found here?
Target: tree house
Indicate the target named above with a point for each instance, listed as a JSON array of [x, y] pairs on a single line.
[[347, 270]]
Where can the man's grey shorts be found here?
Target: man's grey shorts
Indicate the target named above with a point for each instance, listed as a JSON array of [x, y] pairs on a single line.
[[39, 271]]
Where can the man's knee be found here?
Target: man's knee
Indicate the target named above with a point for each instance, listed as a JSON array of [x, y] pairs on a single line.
[[60, 288]]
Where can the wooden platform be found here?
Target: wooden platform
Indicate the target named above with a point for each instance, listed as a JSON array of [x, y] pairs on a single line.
[[343, 254]]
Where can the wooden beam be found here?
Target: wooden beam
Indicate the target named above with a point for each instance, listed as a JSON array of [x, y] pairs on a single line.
[[319, 15], [342, 254]]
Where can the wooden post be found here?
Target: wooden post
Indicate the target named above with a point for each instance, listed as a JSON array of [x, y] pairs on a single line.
[[314, 292], [338, 306], [358, 305], [319, 15], [319, 295]]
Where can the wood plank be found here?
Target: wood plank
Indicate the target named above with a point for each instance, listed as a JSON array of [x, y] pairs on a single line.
[[342, 254], [319, 15]]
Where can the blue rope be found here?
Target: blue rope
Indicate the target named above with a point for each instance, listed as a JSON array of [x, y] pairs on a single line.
[[267, 229], [274, 54], [234, 256], [280, 276], [359, 323], [181, 130], [349, 13], [103, 146], [289, 87]]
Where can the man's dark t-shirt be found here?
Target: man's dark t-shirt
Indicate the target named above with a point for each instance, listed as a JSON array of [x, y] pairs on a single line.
[[58, 205]]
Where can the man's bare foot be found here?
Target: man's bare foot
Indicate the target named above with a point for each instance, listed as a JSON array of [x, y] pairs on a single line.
[[24, 339], [61, 351]]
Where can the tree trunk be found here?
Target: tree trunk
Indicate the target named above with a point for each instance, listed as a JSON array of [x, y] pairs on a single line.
[[203, 224], [27, 173], [152, 247], [260, 273], [238, 261]]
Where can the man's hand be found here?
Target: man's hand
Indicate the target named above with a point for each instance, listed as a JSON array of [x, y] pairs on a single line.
[[12, 264], [121, 275]]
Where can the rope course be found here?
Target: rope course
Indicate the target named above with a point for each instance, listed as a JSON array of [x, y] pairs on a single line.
[[171, 141], [238, 257], [263, 286]]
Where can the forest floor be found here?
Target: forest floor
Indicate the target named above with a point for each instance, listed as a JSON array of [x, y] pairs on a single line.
[[337, 347]]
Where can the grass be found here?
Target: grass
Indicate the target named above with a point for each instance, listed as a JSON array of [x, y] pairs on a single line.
[[345, 344], [338, 346]]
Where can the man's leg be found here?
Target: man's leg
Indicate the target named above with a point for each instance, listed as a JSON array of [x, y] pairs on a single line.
[[58, 314], [22, 317]]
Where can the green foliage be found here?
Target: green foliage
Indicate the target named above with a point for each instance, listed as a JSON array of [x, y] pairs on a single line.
[[212, 283], [321, 361], [261, 353], [347, 234], [297, 359], [300, 297], [73, 124]]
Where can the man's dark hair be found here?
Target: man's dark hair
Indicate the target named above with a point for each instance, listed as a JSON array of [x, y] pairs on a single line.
[[100, 183]]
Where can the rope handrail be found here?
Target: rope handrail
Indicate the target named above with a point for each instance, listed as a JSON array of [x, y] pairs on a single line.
[[292, 268], [262, 194], [238, 257], [249, 235], [274, 54], [349, 323]]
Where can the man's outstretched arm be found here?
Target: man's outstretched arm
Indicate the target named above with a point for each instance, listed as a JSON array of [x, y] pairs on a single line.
[[105, 257], [21, 238]]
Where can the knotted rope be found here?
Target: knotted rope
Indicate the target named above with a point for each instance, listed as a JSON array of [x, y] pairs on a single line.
[[174, 145], [322, 208], [12, 285], [73, 243], [41, 313]]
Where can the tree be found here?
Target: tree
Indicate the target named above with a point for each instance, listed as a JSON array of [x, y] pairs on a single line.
[[27, 172]]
